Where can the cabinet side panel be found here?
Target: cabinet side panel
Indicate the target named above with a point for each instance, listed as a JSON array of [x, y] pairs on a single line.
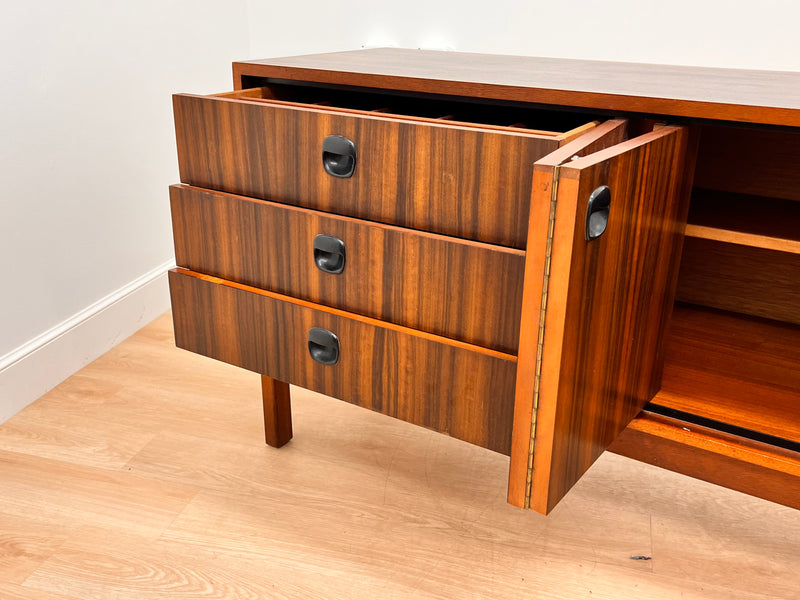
[[466, 394]]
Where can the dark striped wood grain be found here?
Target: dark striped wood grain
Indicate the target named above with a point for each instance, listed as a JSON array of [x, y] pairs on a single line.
[[455, 288], [740, 278], [754, 161], [464, 391], [608, 303], [458, 181]]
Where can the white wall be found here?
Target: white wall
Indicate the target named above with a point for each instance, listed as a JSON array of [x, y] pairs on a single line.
[[86, 154], [718, 33], [87, 147]]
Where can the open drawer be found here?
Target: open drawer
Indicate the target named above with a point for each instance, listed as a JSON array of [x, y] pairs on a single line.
[[453, 168]]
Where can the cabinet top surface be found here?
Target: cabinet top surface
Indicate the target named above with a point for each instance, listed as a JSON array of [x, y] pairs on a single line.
[[770, 97]]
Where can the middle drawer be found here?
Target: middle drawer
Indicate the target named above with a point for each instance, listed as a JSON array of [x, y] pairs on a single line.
[[456, 288]]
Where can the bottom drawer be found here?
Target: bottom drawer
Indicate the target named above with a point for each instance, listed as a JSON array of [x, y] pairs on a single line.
[[456, 388]]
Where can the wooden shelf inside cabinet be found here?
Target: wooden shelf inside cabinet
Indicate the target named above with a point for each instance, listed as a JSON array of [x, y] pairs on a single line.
[[742, 254], [737, 370], [755, 221]]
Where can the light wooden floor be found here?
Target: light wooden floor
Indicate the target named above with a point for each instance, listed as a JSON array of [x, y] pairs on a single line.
[[146, 476]]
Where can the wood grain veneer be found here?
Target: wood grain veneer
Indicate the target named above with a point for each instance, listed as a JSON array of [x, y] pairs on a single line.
[[741, 278], [560, 125], [758, 162], [466, 392], [455, 181], [732, 461], [737, 370], [455, 288], [608, 303], [726, 94], [535, 298]]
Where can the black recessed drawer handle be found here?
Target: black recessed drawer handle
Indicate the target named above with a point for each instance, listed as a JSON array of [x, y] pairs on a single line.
[[338, 156], [323, 346], [329, 253], [597, 212]]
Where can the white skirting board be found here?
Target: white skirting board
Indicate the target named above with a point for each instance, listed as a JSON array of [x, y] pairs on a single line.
[[31, 370]]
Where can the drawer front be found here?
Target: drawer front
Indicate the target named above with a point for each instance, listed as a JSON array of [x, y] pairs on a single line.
[[451, 387], [460, 289], [460, 181]]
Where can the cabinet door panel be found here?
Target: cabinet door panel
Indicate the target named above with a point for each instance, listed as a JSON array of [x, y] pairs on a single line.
[[599, 347]]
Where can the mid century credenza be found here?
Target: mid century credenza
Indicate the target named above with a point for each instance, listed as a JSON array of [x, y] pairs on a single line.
[[547, 258]]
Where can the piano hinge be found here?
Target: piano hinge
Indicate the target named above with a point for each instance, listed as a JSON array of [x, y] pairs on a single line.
[[540, 342]]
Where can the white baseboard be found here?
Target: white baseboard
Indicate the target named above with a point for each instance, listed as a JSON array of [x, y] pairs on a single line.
[[31, 370]]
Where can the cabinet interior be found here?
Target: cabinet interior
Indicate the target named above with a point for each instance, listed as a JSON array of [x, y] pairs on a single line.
[[511, 115], [733, 350]]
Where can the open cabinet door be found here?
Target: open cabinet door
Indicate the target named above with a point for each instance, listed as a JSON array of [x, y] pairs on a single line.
[[595, 311]]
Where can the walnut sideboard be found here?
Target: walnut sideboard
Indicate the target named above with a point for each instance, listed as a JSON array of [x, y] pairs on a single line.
[[547, 258]]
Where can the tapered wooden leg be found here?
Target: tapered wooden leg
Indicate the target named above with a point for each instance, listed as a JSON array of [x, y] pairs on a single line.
[[277, 411]]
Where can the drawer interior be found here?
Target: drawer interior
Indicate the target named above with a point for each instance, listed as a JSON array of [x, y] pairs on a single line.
[[516, 117], [733, 351]]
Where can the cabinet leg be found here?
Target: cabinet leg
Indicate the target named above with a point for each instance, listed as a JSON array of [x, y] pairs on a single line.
[[277, 411]]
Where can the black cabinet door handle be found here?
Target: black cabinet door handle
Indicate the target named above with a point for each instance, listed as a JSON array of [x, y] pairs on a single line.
[[597, 212], [338, 156], [329, 253], [323, 346]]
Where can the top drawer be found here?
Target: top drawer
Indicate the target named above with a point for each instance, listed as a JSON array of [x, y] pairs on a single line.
[[465, 180]]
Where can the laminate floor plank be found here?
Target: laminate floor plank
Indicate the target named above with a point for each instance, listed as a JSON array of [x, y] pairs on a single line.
[[71, 495], [707, 549], [11, 591], [26, 543], [62, 436], [94, 566], [145, 476]]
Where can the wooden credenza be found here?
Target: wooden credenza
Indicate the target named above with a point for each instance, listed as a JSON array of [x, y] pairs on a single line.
[[547, 258]]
